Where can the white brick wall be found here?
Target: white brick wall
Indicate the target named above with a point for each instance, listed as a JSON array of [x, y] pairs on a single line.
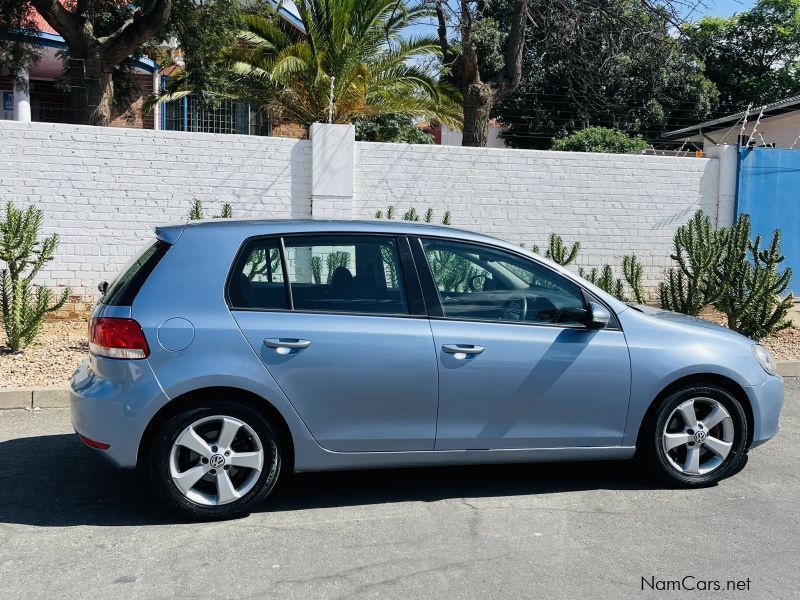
[[103, 190], [613, 204]]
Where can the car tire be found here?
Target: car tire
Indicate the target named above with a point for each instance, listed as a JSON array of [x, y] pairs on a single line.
[[216, 461], [697, 436]]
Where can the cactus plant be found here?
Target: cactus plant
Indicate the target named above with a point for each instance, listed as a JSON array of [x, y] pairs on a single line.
[[411, 215], [692, 285], [632, 271], [23, 305], [196, 211], [557, 250], [751, 284], [606, 281]]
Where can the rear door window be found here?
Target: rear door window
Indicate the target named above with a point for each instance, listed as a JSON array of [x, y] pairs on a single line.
[[346, 273], [123, 290]]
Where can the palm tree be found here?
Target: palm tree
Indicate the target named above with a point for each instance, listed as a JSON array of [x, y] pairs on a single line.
[[355, 47]]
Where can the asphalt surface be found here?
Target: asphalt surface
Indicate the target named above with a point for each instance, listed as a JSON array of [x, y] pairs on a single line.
[[73, 527]]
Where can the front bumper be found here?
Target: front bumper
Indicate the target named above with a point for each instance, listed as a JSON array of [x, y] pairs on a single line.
[[766, 400], [112, 401]]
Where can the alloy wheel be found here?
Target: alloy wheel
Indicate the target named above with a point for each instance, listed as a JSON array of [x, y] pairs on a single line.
[[698, 436], [216, 460]]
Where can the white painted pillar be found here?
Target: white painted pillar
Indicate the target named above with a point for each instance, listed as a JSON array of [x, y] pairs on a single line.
[[157, 107], [727, 155], [22, 98], [332, 166]]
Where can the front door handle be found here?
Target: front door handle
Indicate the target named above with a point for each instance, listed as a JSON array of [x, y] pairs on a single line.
[[286, 343], [461, 351]]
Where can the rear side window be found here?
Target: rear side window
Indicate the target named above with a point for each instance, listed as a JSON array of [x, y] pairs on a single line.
[[124, 288], [257, 278]]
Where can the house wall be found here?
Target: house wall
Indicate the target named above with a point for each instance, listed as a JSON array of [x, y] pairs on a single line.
[[783, 131], [104, 189]]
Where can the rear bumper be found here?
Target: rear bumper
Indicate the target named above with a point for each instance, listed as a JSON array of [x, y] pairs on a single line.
[[112, 401], [766, 400]]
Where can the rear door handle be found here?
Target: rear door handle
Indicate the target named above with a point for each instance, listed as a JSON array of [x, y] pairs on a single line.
[[287, 343], [461, 351]]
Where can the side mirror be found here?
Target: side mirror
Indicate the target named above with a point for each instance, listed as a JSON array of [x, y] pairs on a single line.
[[597, 316], [102, 287]]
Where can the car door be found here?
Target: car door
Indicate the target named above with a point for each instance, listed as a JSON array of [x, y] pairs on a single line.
[[517, 366], [346, 340]]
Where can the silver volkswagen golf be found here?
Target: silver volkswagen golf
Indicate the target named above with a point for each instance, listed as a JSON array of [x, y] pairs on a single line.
[[230, 352]]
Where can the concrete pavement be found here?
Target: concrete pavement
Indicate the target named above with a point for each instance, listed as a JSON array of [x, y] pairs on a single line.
[[73, 527]]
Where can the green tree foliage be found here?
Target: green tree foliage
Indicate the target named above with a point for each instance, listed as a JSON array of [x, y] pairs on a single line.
[[25, 306], [358, 46], [600, 139], [617, 66], [396, 129], [753, 56], [103, 38]]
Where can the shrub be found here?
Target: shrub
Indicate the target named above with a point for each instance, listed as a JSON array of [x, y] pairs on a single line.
[[23, 309], [600, 139]]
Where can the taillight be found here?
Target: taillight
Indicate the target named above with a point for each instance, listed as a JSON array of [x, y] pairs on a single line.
[[117, 338]]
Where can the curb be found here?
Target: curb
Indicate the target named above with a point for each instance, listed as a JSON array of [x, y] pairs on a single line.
[[59, 397], [53, 397], [789, 368]]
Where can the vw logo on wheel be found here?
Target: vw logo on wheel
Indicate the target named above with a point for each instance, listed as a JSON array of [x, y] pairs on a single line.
[[217, 461], [700, 436]]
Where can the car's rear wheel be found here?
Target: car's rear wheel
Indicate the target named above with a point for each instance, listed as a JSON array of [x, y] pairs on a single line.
[[698, 436], [217, 461]]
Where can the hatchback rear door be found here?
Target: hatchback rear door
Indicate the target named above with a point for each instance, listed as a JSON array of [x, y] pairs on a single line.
[[347, 340]]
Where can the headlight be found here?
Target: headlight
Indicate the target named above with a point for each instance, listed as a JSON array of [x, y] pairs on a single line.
[[765, 359]]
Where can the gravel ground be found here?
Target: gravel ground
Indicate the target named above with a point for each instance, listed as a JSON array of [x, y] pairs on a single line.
[[52, 358], [49, 361]]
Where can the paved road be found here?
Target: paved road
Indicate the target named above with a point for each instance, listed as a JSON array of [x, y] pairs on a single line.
[[72, 527]]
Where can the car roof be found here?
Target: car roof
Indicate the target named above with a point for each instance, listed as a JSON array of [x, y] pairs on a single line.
[[256, 226]]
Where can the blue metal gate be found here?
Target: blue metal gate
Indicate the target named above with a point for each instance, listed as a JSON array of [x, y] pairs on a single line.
[[769, 191]]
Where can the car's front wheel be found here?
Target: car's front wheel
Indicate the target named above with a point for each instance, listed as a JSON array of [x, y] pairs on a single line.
[[217, 461], [698, 436]]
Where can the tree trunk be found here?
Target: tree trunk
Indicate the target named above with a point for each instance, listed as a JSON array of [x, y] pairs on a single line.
[[91, 91], [478, 103]]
